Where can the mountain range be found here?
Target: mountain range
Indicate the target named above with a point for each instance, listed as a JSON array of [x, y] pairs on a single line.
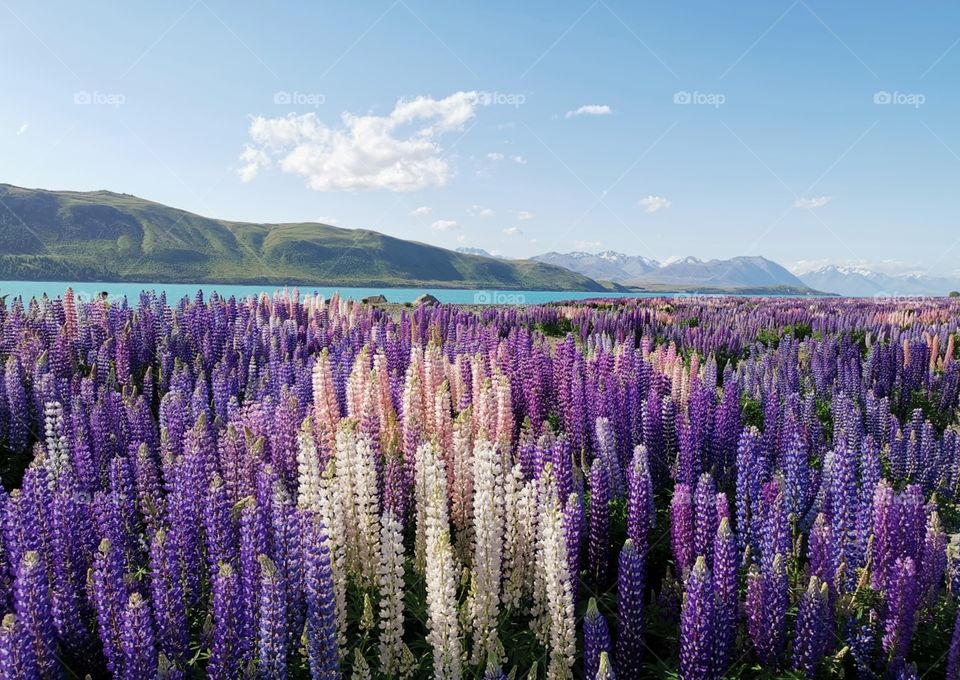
[[738, 274], [864, 282], [106, 236]]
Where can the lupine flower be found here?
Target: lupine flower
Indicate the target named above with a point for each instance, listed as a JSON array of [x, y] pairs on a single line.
[[902, 608], [31, 601], [272, 627], [137, 640], [599, 522], [698, 625], [488, 548], [391, 594], [596, 639], [725, 569], [681, 528], [812, 628], [605, 669], [225, 651], [630, 600]]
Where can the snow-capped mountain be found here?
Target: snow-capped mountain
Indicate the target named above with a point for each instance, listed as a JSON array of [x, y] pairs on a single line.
[[683, 272], [608, 265], [863, 282]]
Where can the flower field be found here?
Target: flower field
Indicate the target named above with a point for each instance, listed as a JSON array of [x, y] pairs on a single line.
[[298, 487]]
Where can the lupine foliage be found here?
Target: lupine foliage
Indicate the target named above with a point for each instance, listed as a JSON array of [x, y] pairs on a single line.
[[286, 487]]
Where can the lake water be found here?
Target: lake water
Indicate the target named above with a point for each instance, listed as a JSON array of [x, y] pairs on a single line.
[[175, 291]]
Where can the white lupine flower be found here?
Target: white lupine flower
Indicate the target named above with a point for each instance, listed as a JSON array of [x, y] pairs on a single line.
[[331, 509], [429, 475], [308, 468], [559, 596], [58, 451], [366, 501], [391, 594], [361, 669], [344, 453], [444, 635], [488, 547], [520, 537]]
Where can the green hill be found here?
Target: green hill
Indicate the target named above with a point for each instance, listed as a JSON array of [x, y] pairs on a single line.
[[104, 236]]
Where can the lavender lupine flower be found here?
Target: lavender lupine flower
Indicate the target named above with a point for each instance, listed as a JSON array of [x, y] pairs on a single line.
[[698, 625], [31, 601], [630, 599], [725, 568], [599, 523], [813, 627], [272, 626], [681, 528], [137, 640], [225, 650], [902, 603], [596, 639]]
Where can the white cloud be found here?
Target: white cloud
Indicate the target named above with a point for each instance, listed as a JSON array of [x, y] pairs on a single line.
[[590, 110], [397, 152], [480, 211], [519, 159], [812, 203], [652, 204], [495, 156], [422, 211], [461, 238], [328, 220], [512, 231], [445, 225], [586, 245], [23, 128], [525, 215]]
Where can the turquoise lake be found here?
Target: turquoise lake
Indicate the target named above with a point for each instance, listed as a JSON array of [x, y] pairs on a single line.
[[175, 291]]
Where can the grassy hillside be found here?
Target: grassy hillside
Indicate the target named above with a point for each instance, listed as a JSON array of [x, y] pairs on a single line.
[[103, 236]]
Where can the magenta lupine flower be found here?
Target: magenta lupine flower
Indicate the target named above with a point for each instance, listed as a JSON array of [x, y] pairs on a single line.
[[681, 528], [812, 628], [137, 640], [698, 625], [630, 599], [599, 523], [596, 639]]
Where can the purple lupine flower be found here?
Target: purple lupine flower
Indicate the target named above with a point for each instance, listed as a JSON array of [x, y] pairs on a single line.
[[18, 657], [596, 639], [767, 610], [681, 528], [933, 563], [272, 625], [599, 523], [225, 651], [573, 533], [322, 652], [640, 507], [953, 653], [630, 598], [137, 640], [698, 625], [705, 517], [166, 594], [109, 598], [31, 601], [823, 553], [725, 568], [812, 628], [902, 603]]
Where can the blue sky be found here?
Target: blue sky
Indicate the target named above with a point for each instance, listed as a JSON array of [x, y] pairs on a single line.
[[803, 131]]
